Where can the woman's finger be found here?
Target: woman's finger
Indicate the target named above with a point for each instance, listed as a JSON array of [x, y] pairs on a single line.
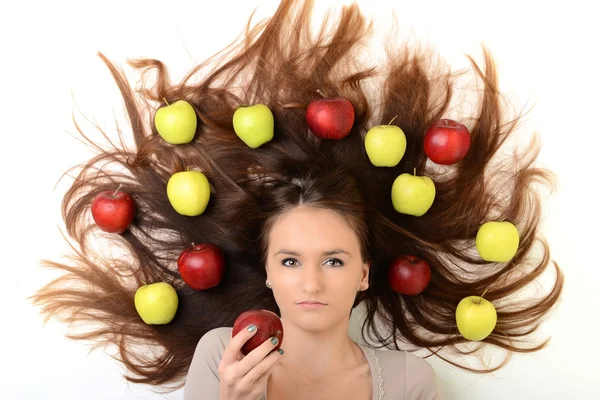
[[261, 372], [257, 355], [233, 349]]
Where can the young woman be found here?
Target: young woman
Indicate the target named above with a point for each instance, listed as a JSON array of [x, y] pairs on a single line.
[[301, 219], [316, 251]]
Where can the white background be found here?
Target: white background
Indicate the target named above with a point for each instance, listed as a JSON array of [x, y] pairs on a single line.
[[546, 54]]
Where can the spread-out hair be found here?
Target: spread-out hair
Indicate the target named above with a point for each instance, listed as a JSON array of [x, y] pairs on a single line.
[[281, 64]]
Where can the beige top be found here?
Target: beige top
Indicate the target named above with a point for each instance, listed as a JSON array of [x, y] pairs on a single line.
[[397, 375]]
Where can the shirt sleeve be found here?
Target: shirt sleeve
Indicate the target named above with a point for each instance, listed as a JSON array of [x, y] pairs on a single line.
[[202, 381], [421, 380]]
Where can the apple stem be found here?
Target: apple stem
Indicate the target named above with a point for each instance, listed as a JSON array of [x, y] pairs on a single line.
[[392, 120], [415, 171], [483, 294], [116, 191], [165, 101], [321, 93], [193, 244]]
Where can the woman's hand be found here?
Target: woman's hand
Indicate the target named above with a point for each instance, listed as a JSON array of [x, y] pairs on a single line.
[[245, 378]]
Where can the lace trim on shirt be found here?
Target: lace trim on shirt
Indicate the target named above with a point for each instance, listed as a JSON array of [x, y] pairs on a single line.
[[380, 390]]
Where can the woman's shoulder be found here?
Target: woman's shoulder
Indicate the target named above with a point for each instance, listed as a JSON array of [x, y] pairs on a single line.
[[404, 372], [222, 334], [203, 375], [214, 341]]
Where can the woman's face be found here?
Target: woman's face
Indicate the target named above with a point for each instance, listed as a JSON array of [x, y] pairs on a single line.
[[314, 255]]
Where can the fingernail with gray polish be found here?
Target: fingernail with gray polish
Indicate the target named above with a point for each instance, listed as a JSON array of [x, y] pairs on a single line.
[[252, 328]]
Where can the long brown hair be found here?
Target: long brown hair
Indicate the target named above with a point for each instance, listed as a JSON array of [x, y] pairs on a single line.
[[277, 64]]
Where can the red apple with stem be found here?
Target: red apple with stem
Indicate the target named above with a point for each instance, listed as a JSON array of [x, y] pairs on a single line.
[[330, 118], [113, 210], [267, 323], [201, 266], [409, 275], [446, 142]]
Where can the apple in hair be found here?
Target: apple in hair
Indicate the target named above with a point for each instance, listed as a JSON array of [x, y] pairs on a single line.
[[385, 145], [201, 266], [497, 241], [176, 123], [156, 303], [254, 125], [476, 318], [413, 195], [446, 142], [409, 275], [267, 323], [188, 192], [330, 118], [113, 210]]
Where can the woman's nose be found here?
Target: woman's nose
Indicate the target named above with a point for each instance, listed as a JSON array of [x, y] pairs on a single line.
[[312, 279]]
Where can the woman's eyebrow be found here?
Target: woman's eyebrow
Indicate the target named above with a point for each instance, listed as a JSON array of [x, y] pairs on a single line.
[[325, 253]]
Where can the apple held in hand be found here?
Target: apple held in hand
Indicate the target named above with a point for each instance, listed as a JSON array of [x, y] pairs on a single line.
[[268, 324], [385, 145], [330, 118], [254, 125], [475, 318], [113, 210], [176, 123], [412, 195], [188, 192], [446, 142], [201, 266], [497, 241], [409, 275], [156, 303]]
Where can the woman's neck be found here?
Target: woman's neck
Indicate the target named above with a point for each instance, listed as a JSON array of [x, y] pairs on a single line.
[[316, 354]]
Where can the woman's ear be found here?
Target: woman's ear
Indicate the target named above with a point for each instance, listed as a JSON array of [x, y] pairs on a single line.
[[364, 280]]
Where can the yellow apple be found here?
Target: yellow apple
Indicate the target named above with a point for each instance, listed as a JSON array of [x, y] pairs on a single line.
[[497, 241], [385, 145], [176, 123], [254, 124], [156, 303], [412, 195], [475, 318], [188, 192]]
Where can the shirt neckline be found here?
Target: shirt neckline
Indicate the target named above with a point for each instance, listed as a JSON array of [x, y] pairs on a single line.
[[375, 370]]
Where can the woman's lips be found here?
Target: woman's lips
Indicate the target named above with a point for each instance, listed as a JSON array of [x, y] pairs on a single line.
[[311, 305]]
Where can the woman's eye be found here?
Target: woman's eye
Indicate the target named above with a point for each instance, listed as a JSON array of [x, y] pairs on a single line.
[[335, 262], [292, 262], [287, 262]]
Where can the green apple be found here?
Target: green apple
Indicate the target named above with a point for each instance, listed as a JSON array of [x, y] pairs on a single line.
[[255, 124], [176, 123], [412, 195], [156, 303], [497, 241], [385, 145], [188, 192], [475, 318]]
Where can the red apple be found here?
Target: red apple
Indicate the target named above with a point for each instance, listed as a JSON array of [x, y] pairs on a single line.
[[113, 210], [330, 118], [446, 142], [201, 266], [268, 324], [409, 275]]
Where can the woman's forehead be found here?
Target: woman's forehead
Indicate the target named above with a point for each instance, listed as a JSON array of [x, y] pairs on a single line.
[[312, 231]]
